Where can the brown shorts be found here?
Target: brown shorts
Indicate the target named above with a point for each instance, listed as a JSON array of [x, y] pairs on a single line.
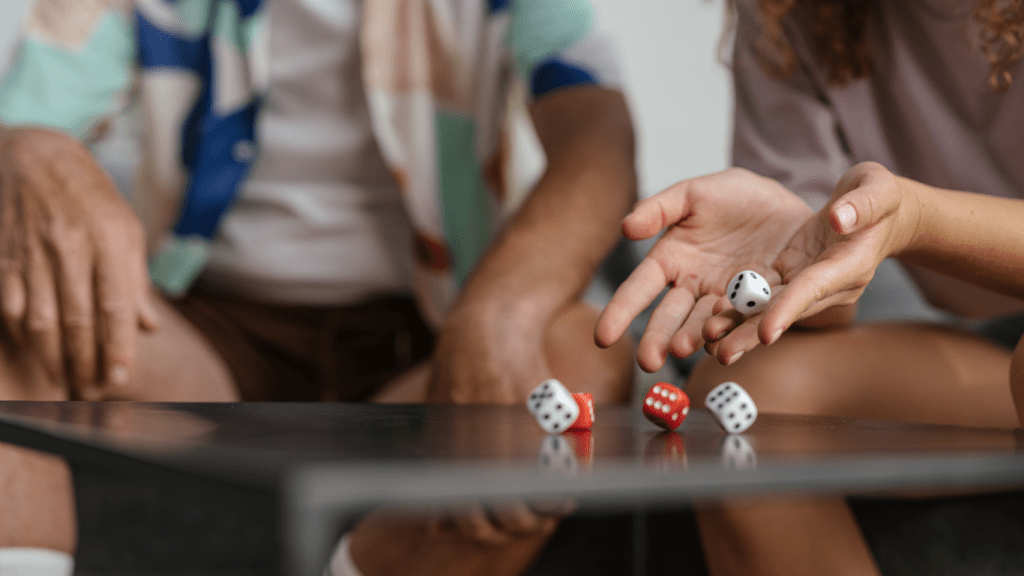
[[310, 353]]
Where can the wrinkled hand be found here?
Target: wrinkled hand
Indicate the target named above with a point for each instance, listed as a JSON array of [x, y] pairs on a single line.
[[73, 281], [499, 523], [717, 225], [828, 262], [487, 353], [490, 354]]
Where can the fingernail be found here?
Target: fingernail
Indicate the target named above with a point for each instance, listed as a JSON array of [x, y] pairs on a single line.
[[118, 375], [847, 216], [775, 336], [735, 357]]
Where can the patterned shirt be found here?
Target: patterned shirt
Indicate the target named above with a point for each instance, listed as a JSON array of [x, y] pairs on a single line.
[[436, 73]]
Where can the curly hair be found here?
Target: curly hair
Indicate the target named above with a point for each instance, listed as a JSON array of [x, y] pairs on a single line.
[[839, 41]]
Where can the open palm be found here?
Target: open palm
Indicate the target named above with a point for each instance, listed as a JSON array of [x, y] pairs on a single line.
[[715, 226], [828, 262]]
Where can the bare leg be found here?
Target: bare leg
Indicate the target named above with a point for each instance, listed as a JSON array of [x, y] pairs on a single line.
[[385, 545], [35, 488], [897, 372], [177, 364], [1017, 380], [909, 373], [36, 497], [571, 353], [818, 537]]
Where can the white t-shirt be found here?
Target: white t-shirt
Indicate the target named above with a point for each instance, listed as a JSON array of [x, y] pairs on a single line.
[[320, 219]]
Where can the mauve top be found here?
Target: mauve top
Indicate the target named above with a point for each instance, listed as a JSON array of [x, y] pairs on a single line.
[[926, 112]]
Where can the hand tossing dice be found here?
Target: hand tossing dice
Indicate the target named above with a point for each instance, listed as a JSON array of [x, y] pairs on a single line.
[[748, 292], [732, 407]]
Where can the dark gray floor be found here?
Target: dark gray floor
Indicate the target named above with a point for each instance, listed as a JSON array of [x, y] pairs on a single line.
[[150, 525]]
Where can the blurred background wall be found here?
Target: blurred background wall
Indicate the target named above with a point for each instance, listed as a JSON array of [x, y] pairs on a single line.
[[11, 14], [677, 85], [681, 100], [678, 89]]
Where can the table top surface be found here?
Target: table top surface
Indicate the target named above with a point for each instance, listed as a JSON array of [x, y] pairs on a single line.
[[364, 452]]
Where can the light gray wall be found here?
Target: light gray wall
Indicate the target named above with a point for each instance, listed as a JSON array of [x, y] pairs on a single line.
[[679, 90], [12, 12]]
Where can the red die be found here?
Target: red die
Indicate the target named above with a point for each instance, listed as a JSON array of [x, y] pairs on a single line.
[[586, 418], [666, 406]]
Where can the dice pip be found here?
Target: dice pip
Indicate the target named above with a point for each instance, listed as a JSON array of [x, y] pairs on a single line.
[[666, 405], [732, 407], [748, 292], [553, 406]]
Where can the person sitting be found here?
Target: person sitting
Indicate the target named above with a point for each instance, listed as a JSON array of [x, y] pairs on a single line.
[[881, 114], [321, 205]]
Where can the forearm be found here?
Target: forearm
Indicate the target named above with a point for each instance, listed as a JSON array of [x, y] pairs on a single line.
[[550, 248], [975, 237]]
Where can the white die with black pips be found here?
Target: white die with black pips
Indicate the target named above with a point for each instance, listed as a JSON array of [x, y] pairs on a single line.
[[732, 407], [748, 292], [553, 406]]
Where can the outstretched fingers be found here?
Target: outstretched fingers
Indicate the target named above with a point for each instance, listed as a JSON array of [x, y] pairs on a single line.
[[634, 295], [819, 286], [689, 338], [13, 256], [730, 334], [652, 215], [666, 319]]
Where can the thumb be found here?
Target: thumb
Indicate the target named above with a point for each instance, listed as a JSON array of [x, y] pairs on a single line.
[[652, 215], [876, 197]]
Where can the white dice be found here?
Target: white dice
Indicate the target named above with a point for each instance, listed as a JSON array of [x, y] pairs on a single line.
[[732, 407], [748, 292], [553, 406]]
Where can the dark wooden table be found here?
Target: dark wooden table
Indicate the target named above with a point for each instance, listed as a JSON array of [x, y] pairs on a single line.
[[330, 459]]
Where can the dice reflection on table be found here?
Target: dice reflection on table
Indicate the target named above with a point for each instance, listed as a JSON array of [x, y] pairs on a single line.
[[557, 456], [583, 447], [737, 453], [665, 452]]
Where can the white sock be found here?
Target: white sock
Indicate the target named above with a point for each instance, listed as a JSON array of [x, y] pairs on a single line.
[[35, 562], [341, 561]]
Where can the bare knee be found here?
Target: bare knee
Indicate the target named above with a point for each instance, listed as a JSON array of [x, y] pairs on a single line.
[[780, 378], [160, 375], [575, 360], [1017, 380], [23, 377]]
